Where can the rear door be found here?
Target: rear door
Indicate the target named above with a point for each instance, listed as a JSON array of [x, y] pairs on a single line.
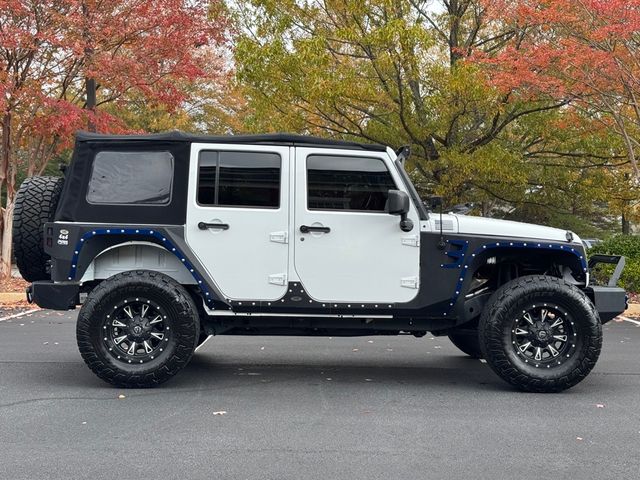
[[354, 251], [238, 217]]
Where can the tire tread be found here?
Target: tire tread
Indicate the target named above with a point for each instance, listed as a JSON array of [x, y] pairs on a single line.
[[495, 314], [36, 203], [186, 328]]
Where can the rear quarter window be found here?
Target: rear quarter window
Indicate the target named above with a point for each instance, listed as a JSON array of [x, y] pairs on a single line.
[[131, 178]]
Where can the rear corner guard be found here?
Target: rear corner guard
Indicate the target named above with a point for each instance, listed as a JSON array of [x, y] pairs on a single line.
[[56, 296]]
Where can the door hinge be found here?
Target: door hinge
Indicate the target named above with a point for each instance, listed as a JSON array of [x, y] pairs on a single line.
[[279, 237], [409, 282], [411, 241], [278, 279]]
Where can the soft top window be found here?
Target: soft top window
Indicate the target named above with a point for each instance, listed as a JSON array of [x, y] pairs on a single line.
[[134, 178]]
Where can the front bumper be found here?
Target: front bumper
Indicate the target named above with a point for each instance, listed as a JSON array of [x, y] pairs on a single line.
[[54, 295], [609, 301]]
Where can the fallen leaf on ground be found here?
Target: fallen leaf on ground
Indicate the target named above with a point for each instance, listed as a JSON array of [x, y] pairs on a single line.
[[354, 350], [600, 405], [221, 412], [121, 396], [579, 438]]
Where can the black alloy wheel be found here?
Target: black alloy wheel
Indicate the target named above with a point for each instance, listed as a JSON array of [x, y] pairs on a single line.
[[540, 333], [138, 329]]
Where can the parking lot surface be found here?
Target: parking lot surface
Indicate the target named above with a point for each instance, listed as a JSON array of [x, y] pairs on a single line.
[[310, 408]]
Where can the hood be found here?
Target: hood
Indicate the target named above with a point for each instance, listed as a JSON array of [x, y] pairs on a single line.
[[497, 228]]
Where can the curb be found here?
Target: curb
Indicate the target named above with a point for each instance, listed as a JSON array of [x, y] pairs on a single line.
[[12, 297], [633, 310]]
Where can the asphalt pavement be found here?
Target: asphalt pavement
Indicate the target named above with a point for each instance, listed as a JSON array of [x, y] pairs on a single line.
[[310, 408]]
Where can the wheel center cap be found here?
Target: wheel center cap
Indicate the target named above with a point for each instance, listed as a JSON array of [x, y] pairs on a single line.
[[137, 329], [542, 335]]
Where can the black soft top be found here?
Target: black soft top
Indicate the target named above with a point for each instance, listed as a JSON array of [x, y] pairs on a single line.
[[262, 139], [74, 207]]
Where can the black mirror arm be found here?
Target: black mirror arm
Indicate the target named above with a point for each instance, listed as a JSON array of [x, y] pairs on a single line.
[[406, 224]]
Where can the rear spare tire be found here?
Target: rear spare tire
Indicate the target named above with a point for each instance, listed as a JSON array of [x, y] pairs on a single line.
[[36, 204]]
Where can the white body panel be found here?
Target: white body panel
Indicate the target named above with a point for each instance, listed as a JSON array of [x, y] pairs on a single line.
[[137, 256], [244, 258], [489, 227], [363, 258]]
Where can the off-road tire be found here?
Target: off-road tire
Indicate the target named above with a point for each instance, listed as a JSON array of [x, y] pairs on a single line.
[[467, 343], [181, 317], [496, 340], [36, 203]]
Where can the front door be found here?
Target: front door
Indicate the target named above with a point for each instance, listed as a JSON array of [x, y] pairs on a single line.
[[347, 248], [238, 217]]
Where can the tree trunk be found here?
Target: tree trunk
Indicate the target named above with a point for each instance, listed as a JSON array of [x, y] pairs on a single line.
[[8, 179], [626, 225], [89, 83], [90, 86], [7, 238]]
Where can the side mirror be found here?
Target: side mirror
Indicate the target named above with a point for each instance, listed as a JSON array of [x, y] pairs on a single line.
[[398, 204]]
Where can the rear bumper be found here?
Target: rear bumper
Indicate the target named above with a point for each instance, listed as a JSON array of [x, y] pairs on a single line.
[[609, 301], [56, 296]]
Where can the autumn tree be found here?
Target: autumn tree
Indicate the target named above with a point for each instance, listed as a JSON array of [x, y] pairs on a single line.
[[409, 72], [134, 51], [586, 52]]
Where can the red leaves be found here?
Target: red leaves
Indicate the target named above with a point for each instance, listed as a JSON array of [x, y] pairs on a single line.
[[584, 52], [145, 47], [565, 48]]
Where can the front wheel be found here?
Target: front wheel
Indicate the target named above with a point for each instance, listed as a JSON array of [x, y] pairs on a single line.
[[138, 329], [540, 334]]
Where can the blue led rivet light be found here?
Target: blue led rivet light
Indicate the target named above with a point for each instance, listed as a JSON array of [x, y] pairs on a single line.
[[140, 232], [488, 246]]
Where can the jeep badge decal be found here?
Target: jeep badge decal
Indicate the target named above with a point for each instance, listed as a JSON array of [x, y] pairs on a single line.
[[63, 237]]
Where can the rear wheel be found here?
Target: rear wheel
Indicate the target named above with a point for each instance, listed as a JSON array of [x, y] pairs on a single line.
[[138, 329], [540, 334]]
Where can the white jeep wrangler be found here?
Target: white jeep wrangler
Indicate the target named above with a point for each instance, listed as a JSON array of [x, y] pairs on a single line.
[[167, 239]]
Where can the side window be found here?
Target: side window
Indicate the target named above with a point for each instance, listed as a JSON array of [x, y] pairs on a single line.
[[347, 183], [133, 178], [239, 179]]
